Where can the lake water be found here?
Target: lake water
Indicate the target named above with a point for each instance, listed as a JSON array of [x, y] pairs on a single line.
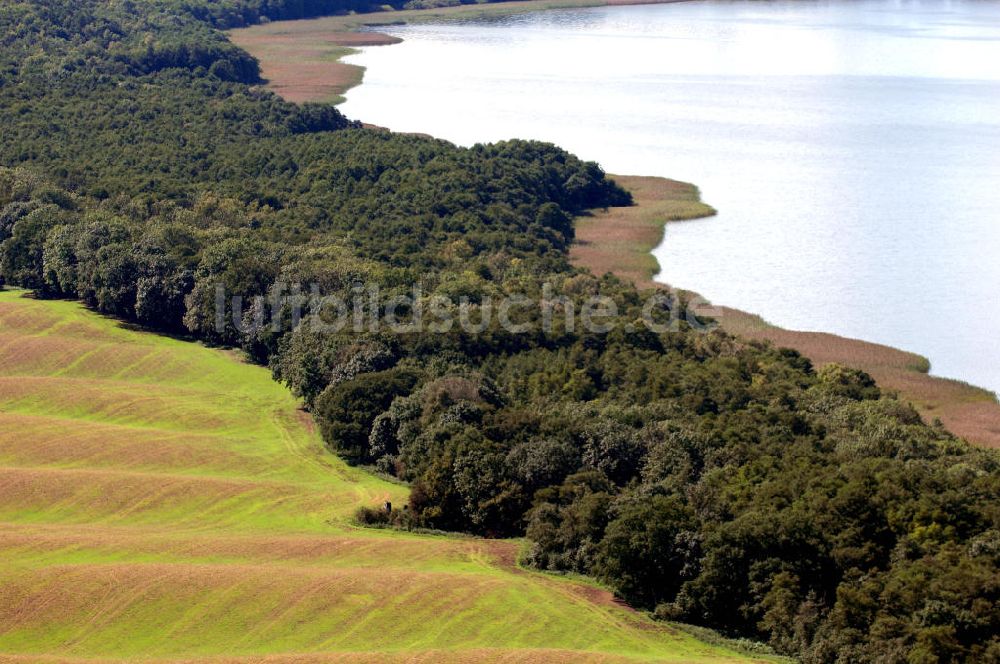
[[851, 147]]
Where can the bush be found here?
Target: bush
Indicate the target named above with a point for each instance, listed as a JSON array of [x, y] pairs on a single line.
[[346, 411]]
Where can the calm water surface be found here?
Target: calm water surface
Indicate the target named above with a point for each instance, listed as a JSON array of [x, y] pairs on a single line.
[[851, 147]]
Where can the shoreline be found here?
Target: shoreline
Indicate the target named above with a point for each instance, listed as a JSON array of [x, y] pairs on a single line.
[[302, 61], [621, 241]]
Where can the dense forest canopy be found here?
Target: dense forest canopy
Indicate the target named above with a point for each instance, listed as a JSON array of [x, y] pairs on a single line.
[[707, 478]]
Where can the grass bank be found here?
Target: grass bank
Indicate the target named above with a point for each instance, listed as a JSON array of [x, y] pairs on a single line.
[[162, 501], [620, 240]]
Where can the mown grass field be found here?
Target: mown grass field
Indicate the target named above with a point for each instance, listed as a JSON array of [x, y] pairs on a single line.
[[162, 501]]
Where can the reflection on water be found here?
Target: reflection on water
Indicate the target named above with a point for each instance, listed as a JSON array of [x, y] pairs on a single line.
[[852, 147]]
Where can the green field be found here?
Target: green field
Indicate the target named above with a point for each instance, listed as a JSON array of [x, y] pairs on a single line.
[[161, 500]]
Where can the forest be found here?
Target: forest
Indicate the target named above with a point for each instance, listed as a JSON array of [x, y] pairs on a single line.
[[705, 478]]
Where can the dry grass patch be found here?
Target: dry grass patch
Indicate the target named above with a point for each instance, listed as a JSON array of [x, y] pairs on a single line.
[[303, 64], [35, 440], [341, 547], [619, 240], [470, 656]]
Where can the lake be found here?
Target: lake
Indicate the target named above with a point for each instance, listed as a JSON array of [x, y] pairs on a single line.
[[852, 148]]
